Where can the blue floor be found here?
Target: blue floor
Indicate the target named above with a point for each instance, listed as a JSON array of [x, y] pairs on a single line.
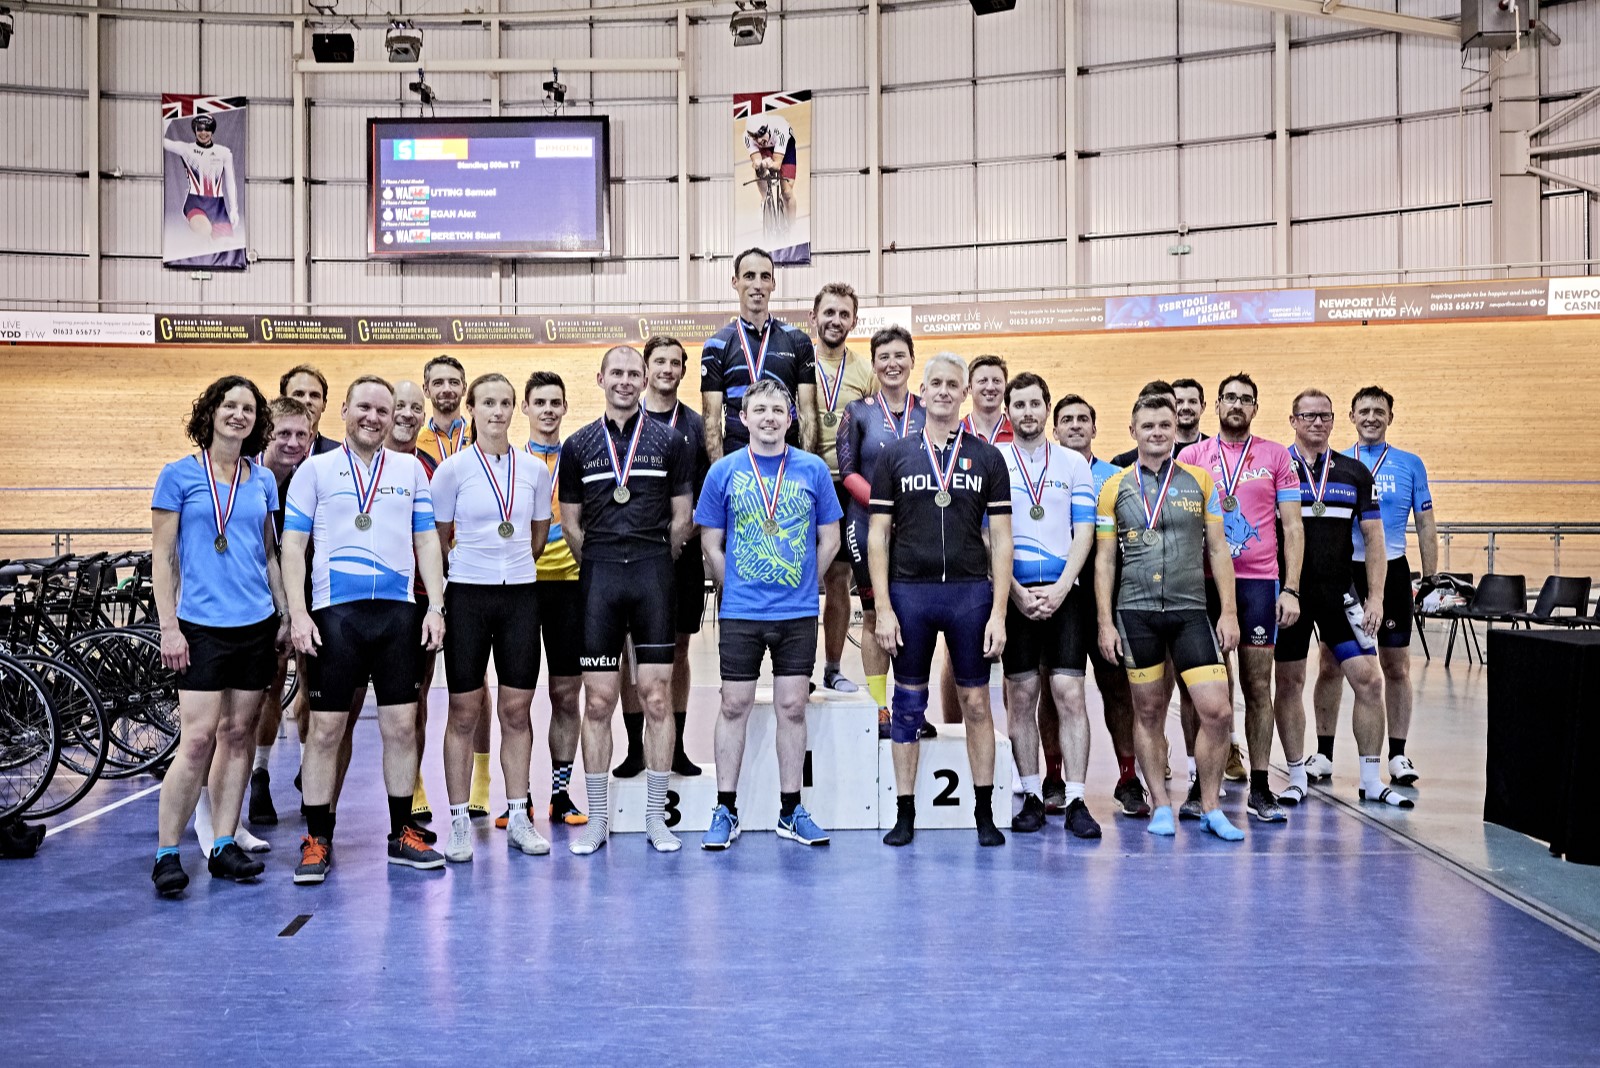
[[1324, 942]]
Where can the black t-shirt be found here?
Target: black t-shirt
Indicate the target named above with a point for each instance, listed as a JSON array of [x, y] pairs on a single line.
[[692, 428], [662, 470], [323, 444], [1126, 459], [929, 543], [1347, 501], [790, 359]]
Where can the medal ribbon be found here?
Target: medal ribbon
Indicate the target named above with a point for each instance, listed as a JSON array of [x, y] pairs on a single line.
[[830, 395], [1319, 488], [1378, 465], [993, 431], [1231, 480], [758, 364], [769, 504], [216, 498], [365, 495], [949, 470], [621, 471], [507, 500], [1152, 516], [454, 436], [904, 425], [1035, 492]]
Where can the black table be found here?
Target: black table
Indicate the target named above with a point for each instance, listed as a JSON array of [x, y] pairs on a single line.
[[1544, 734]]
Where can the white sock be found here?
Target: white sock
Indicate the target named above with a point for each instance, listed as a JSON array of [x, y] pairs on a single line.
[[301, 748], [1235, 738], [249, 842], [595, 834], [203, 828], [1371, 782], [655, 812], [1297, 775], [1033, 785], [1191, 769], [519, 808], [459, 812], [1074, 792], [263, 754]]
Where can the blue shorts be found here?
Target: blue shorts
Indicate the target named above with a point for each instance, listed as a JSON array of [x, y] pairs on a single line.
[[1256, 604], [959, 611], [215, 210]]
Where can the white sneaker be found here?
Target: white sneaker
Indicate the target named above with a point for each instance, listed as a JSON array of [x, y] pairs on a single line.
[[1401, 771], [1318, 767], [459, 851], [249, 842], [523, 835]]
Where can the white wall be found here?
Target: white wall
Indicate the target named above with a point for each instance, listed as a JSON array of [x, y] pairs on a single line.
[[1172, 134]]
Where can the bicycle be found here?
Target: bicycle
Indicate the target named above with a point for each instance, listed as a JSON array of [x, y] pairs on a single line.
[[774, 210], [30, 739]]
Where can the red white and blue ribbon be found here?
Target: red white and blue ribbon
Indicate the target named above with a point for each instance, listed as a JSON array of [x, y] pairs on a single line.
[[1378, 464], [993, 431], [830, 392], [365, 495], [507, 500], [449, 441], [1153, 516], [755, 365], [943, 476], [1035, 491], [621, 469], [222, 516], [1231, 479], [904, 424], [769, 504], [1319, 488]]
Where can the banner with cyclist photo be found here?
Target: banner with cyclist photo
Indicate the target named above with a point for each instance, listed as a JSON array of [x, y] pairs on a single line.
[[772, 174], [202, 186]]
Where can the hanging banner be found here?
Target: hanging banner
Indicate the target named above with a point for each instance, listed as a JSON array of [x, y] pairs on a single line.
[[772, 175], [202, 188]]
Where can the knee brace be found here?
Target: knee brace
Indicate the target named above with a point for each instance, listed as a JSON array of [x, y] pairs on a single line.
[[910, 710]]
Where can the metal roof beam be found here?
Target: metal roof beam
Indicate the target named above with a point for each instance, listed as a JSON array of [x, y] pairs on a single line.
[[1361, 16]]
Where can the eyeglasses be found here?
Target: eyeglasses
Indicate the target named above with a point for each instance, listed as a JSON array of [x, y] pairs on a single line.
[[1314, 417], [1239, 399]]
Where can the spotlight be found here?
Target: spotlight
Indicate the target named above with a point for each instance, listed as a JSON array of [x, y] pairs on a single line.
[[553, 88], [404, 42], [421, 87], [8, 26], [749, 23]]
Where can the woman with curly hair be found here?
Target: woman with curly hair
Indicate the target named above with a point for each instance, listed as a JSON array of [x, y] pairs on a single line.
[[220, 600]]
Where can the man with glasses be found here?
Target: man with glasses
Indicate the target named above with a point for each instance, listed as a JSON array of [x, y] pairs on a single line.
[[1259, 491], [1337, 491]]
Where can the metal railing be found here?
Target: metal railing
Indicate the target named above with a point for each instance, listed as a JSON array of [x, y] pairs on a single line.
[[1492, 532], [61, 540]]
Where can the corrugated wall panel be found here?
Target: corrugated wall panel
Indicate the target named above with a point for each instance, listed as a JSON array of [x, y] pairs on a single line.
[[259, 7], [1431, 75], [264, 287], [54, 221], [930, 272], [1301, 29], [1228, 183], [1369, 246], [1021, 41], [270, 223], [130, 136], [1341, 81], [720, 69], [369, 46], [246, 60], [1128, 107], [448, 42], [147, 283], [1133, 259], [1226, 97], [44, 282], [1583, 168], [643, 139], [1450, 238], [1229, 254], [143, 56], [339, 140], [447, 285], [355, 287], [544, 41], [830, 49], [798, 285], [908, 196], [654, 40], [1572, 65], [927, 126], [1209, 25], [711, 137], [130, 217], [1430, 9], [552, 285], [635, 281], [1566, 231], [1020, 268], [1134, 191], [271, 132], [839, 212], [839, 131], [1020, 117], [338, 221], [644, 218], [1022, 201], [42, 131], [1343, 171], [1112, 31], [927, 44], [1444, 159], [711, 218], [48, 51]]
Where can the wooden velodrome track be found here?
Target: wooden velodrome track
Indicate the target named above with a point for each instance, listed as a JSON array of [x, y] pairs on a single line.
[[1499, 410]]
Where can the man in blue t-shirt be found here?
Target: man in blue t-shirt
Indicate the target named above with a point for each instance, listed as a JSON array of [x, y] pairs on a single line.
[[1400, 485], [768, 513]]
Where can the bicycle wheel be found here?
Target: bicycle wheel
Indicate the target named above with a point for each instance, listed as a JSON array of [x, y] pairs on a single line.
[[291, 686], [30, 741], [82, 726], [139, 694]]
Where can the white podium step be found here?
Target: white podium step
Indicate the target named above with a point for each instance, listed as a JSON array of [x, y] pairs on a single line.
[[944, 781], [841, 781]]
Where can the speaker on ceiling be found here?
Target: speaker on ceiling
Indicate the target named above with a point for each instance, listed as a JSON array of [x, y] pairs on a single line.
[[989, 7], [333, 47]]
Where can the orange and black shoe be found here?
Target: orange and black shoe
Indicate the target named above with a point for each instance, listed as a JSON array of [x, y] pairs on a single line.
[[316, 855], [503, 820], [562, 810], [883, 723], [409, 849]]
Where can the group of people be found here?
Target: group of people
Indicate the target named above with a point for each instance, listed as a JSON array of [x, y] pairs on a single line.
[[811, 474]]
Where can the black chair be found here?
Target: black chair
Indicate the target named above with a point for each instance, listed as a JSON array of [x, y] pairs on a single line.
[[1500, 598], [1559, 591], [1420, 617]]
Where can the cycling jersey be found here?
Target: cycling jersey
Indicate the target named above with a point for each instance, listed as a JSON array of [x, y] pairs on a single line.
[[556, 563], [349, 563], [637, 529], [867, 429], [1347, 501], [1126, 459], [226, 589], [439, 443], [209, 169], [1061, 481], [995, 433], [781, 352], [929, 543], [692, 428], [1265, 477], [1168, 575], [779, 134], [1400, 483], [462, 495], [1101, 470], [858, 382]]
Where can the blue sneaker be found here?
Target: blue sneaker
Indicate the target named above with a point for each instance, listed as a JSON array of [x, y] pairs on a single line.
[[724, 829], [800, 827]]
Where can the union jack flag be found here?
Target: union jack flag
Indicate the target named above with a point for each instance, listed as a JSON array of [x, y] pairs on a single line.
[[185, 105], [747, 104]]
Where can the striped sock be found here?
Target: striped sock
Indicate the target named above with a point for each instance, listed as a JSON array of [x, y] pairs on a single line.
[[655, 814], [561, 777], [595, 834]]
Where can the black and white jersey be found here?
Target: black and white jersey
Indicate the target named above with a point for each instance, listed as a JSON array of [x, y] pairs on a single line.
[[929, 543], [637, 529]]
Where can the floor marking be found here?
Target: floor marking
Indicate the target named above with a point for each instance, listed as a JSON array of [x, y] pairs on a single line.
[[102, 810], [294, 926]]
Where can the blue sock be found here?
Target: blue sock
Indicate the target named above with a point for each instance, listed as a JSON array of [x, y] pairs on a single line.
[[1161, 822], [166, 851], [216, 847], [1218, 824]]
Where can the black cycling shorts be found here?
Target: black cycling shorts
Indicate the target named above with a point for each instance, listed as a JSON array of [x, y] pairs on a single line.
[[229, 658], [1337, 617], [1398, 601], [741, 643], [1149, 637], [365, 641], [622, 600], [1255, 603], [959, 611], [481, 619], [855, 546], [561, 624], [689, 579], [843, 555], [1058, 645]]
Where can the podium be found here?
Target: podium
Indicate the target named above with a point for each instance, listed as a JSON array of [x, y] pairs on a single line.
[[839, 787], [944, 782]]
